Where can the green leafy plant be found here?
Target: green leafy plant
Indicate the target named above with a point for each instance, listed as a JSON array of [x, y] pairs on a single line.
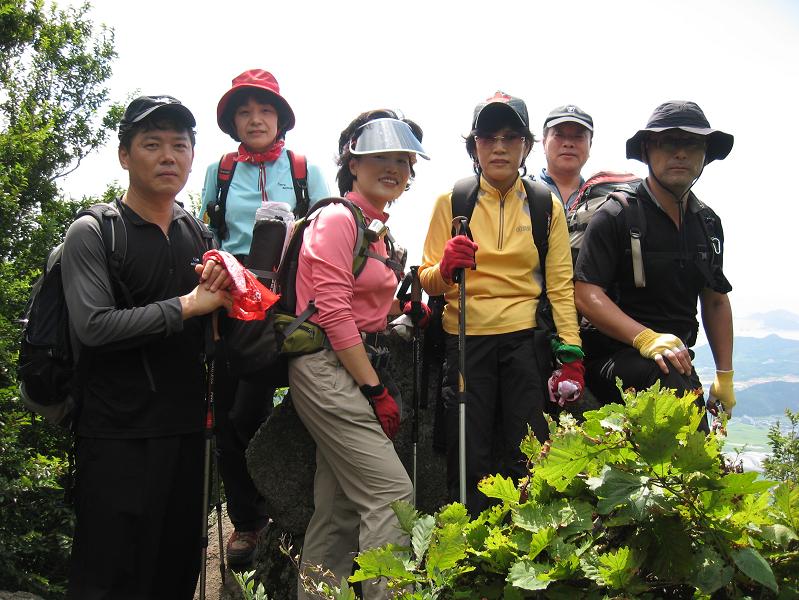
[[246, 582], [631, 503], [783, 464]]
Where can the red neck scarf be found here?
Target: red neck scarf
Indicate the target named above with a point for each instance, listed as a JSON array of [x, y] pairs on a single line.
[[271, 155], [260, 159]]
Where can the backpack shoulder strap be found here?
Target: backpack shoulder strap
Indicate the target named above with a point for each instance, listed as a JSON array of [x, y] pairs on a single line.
[[217, 208], [299, 177], [464, 196], [539, 199], [202, 235], [636, 225], [115, 241]]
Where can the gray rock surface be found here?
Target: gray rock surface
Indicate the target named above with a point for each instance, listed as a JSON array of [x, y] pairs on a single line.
[[19, 596]]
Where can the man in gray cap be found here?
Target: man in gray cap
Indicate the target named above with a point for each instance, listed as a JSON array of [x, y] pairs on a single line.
[[642, 267], [140, 331], [568, 134]]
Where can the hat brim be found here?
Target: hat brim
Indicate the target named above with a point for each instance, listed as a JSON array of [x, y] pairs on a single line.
[[492, 109], [178, 110], [386, 135], [719, 144], [560, 120], [283, 107]]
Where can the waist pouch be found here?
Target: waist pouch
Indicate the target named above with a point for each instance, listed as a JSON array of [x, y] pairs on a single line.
[[304, 338]]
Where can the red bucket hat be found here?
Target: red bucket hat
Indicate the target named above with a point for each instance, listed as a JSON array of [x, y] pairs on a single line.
[[257, 79]]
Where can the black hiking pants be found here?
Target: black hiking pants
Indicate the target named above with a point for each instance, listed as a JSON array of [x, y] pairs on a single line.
[[503, 395], [639, 373], [241, 406], [139, 511]]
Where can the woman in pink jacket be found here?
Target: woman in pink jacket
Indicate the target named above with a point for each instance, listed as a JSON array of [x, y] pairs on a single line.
[[338, 393]]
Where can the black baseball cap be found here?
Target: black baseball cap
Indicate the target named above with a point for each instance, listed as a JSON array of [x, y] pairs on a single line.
[[144, 106], [569, 113], [687, 116], [500, 103]]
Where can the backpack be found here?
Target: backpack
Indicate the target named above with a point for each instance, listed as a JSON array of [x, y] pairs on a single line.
[[47, 370], [217, 208], [260, 349], [620, 187]]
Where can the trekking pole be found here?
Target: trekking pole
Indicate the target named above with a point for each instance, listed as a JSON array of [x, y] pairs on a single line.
[[460, 226], [209, 443], [416, 315], [217, 476], [209, 434]]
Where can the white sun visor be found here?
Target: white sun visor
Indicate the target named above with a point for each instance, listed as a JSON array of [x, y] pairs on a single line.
[[386, 135]]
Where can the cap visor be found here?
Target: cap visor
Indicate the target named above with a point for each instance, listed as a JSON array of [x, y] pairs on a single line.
[[386, 135], [570, 119], [178, 110]]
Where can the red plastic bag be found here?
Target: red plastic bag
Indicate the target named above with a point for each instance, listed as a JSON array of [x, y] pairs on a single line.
[[251, 299]]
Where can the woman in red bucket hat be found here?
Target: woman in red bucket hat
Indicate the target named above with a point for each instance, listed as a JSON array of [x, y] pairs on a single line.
[[254, 113]]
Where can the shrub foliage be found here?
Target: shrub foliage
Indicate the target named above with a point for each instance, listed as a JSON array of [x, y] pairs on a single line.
[[632, 503]]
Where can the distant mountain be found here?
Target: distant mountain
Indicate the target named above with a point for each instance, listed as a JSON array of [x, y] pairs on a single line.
[[770, 357], [766, 374]]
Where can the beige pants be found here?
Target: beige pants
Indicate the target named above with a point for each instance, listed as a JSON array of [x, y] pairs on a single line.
[[358, 472]]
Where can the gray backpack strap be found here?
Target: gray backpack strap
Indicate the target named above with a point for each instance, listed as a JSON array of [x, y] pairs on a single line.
[[636, 224]]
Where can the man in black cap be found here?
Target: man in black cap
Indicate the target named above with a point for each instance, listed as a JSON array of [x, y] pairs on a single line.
[[139, 450], [568, 134], [642, 268]]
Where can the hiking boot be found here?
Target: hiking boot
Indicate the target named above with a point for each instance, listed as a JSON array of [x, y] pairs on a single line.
[[240, 548]]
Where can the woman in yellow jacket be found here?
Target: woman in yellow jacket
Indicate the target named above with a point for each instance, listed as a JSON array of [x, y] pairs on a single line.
[[504, 391]]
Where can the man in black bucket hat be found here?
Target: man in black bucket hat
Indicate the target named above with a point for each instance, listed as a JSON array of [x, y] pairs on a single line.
[[645, 262]]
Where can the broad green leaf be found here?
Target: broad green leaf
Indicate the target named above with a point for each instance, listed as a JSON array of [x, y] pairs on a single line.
[[698, 453], [528, 575], [476, 534], [618, 567], [406, 514], [446, 549], [786, 501], [779, 534], [568, 456], [530, 445], [671, 549], [500, 551], [539, 541], [578, 516], [656, 424], [421, 535], [615, 487], [739, 484], [711, 571], [380, 562], [453, 513], [754, 566], [751, 511], [534, 517], [502, 488]]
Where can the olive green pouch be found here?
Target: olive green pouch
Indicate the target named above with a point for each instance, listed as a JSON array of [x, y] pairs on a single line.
[[296, 337]]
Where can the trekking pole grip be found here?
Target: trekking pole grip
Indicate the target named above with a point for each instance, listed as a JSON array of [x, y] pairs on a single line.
[[460, 226]]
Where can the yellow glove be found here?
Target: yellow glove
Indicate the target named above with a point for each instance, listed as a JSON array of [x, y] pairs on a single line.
[[722, 391], [651, 344]]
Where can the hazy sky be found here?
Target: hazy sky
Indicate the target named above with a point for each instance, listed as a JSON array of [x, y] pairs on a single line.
[[435, 60]]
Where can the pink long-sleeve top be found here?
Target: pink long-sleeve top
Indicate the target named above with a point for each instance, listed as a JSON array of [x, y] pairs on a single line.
[[346, 305]]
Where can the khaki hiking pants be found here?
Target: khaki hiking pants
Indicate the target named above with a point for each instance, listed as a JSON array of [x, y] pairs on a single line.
[[358, 472]]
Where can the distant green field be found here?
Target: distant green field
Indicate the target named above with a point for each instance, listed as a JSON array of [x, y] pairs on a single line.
[[755, 439]]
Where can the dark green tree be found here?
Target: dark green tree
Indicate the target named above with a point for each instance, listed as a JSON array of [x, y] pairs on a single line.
[[54, 111]]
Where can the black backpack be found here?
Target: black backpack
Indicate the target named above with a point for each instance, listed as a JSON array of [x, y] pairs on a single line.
[[259, 350], [47, 370], [217, 208], [621, 187]]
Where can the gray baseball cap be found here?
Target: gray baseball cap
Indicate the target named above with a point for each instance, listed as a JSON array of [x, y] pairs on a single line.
[[569, 113]]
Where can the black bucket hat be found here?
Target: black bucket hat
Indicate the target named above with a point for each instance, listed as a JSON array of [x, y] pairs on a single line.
[[687, 116]]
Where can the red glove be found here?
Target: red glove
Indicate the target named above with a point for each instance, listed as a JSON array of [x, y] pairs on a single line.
[[251, 299], [385, 408], [422, 319], [567, 383], [458, 254]]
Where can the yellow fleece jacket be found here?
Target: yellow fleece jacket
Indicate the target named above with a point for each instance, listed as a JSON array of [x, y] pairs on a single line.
[[502, 293]]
